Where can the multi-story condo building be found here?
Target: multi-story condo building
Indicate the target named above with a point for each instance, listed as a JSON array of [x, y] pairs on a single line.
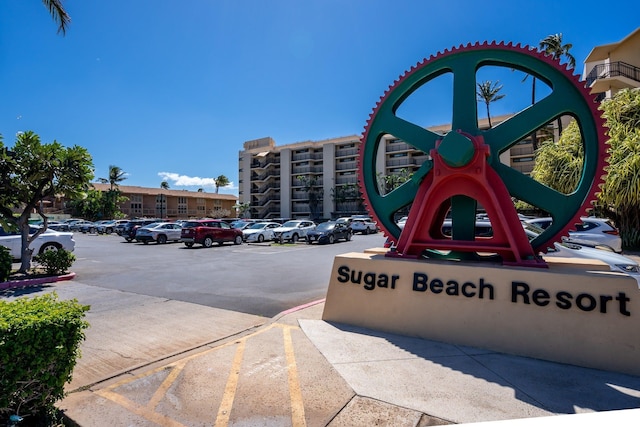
[[318, 179], [615, 66]]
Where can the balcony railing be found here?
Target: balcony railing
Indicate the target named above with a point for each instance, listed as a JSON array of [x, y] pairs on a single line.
[[613, 69]]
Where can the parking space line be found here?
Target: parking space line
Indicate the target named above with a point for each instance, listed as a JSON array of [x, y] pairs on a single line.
[[295, 393], [230, 390], [139, 409]]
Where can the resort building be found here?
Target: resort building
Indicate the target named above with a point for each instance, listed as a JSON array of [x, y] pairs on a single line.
[[173, 204], [614, 66]]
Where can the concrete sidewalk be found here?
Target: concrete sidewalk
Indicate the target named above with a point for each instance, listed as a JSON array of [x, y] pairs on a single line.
[[149, 361]]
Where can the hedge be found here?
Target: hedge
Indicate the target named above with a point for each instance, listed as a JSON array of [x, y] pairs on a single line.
[[39, 346]]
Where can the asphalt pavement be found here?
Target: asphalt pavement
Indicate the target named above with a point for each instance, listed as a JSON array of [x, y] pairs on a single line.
[[150, 361]]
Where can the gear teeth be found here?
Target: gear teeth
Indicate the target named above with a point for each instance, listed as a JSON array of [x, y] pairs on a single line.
[[599, 122]]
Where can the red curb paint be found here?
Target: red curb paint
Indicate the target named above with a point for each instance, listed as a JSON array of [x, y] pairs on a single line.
[[16, 284]]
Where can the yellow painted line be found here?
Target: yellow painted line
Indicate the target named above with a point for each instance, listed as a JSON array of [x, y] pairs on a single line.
[[295, 393], [133, 407], [162, 390], [230, 390]]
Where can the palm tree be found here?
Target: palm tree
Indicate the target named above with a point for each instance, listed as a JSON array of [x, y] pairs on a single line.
[[164, 185], [552, 45], [56, 9], [221, 181], [488, 93], [116, 175]]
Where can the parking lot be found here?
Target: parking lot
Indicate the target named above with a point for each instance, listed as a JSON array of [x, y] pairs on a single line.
[[262, 279]]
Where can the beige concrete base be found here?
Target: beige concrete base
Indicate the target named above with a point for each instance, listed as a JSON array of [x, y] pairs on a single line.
[[580, 314]]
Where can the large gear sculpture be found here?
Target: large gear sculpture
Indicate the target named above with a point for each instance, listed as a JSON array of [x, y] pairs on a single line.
[[464, 167]]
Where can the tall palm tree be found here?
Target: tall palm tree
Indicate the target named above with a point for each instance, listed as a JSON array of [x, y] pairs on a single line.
[[164, 185], [116, 175], [552, 45], [488, 92], [221, 181], [56, 9]]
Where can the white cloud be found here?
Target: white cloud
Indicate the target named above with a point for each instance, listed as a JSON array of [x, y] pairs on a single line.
[[177, 180]]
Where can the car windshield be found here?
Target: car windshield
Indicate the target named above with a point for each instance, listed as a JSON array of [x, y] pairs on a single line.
[[291, 224], [326, 226], [257, 226]]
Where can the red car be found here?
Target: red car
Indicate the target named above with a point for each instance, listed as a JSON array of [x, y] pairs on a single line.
[[206, 232]]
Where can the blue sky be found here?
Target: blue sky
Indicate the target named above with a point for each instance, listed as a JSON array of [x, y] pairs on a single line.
[[170, 90]]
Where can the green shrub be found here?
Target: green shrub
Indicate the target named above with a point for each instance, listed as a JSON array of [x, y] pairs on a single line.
[[39, 346], [55, 262], [5, 263]]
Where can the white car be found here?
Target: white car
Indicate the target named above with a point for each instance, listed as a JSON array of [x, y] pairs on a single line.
[[592, 230], [293, 230], [259, 232], [50, 240], [363, 225], [159, 232]]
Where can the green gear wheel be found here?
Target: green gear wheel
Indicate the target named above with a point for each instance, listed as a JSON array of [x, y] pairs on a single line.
[[568, 97]]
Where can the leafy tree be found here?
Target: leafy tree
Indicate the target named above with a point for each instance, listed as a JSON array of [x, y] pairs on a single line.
[[56, 9], [621, 192], [388, 183], [345, 194], [31, 172], [559, 165], [221, 181], [488, 92], [97, 204], [313, 190], [164, 185], [243, 209]]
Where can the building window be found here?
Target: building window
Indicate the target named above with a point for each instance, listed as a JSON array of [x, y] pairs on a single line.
[[522, 159]]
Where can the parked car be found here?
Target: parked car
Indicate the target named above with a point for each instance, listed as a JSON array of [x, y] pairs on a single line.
[[600, 231], [259, 231], [566, 249], [363, 225], [206, 232], [160, 232], [109, 226], [130, 228], [293, 230], [49, 240], [329, 232], [78, 225], [242, 224]]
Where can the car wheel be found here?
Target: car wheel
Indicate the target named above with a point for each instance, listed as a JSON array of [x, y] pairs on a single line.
[[366, 231], [260, 238], [128, 239], [108, 230], [348, 237], [146, 242], [309, 240], [332, 239], [238, 240], [188, 244], [294, 238], [208, 242], [92, 230], [162, 239], [49, 247]]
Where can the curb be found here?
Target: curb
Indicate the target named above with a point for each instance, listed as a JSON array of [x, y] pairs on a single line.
[[16, 284]]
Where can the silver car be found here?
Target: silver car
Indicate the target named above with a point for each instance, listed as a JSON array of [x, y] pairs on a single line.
[[159, 232], [600, 231]]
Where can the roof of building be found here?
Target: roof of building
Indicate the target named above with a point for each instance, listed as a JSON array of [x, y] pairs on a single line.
[[132, 189], [602, 52]]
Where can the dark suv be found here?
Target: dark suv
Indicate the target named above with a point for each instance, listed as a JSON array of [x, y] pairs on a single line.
[[206, 232], [130, 228]]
